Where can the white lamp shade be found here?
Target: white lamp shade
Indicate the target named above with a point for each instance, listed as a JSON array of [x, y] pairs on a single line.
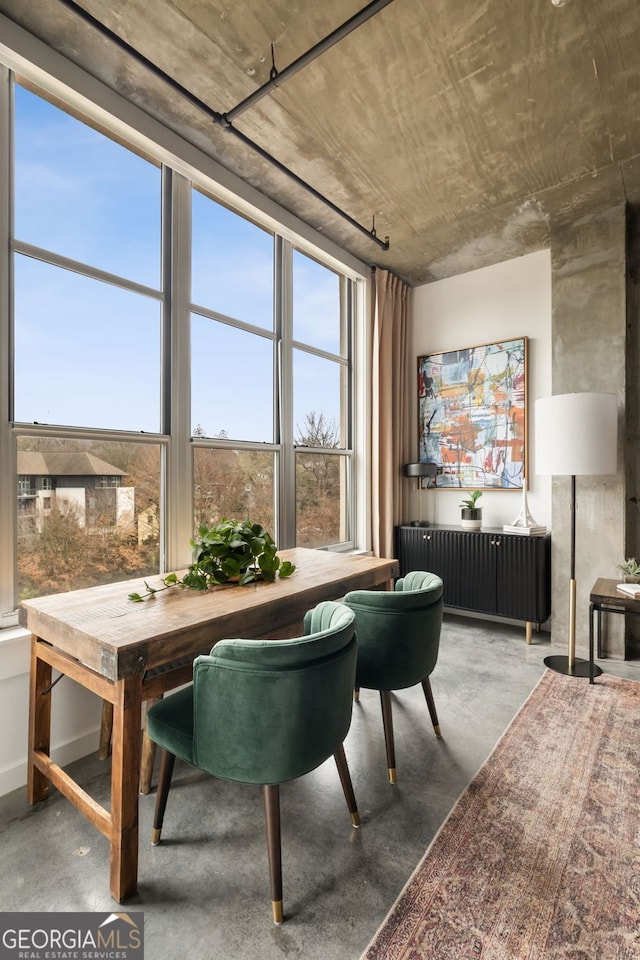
[[577, 433]]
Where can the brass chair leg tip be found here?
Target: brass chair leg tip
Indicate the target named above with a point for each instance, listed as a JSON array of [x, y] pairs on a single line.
[[392, 774], [355, 819], [356, 695], [436, 730], [278, 911], [155, 836]]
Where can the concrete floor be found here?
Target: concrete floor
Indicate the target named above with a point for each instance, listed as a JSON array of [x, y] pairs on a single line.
[[204, 890]]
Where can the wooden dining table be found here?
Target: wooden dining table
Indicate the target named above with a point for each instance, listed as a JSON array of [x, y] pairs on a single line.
[[127, 652]]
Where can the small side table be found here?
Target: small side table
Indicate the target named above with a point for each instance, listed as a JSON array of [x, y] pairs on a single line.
[[606, 598]]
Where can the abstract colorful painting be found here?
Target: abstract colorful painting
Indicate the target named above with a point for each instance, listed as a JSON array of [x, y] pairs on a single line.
[[472, 415]]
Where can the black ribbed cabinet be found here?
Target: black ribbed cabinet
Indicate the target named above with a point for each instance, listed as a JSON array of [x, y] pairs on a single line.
[[484, 571]]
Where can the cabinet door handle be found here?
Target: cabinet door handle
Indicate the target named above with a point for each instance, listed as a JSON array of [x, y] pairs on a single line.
[[426, 536]]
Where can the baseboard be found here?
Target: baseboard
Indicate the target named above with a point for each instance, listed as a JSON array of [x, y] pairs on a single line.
[[15, 777]]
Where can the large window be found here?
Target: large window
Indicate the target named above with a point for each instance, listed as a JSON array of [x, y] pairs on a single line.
[[94, 527], [83, 195], [321, 391], [170, 361], [233, 483], [86, 330], [270, 361], [87, 353]]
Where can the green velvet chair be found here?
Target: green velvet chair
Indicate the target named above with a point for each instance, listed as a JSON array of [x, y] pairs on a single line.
[[398, 635], [264, 712]]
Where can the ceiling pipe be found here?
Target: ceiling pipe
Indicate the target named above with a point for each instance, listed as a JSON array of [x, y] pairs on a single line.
[[140, 57], [218, 117], [371, 234], [279, 76]]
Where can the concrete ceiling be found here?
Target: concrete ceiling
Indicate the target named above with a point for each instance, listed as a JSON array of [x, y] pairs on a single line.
[[466, 127]]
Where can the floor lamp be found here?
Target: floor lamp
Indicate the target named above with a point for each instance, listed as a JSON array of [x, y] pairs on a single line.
[[576, 434]]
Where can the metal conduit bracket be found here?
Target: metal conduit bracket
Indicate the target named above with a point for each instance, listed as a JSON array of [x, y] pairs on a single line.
[[273, 73]]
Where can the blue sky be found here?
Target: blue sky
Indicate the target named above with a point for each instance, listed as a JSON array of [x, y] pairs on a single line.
[[88, 353]]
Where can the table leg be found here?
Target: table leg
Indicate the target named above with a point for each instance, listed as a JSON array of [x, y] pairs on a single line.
[[599, 616], [591, 609], [125, 766], [39, 723]]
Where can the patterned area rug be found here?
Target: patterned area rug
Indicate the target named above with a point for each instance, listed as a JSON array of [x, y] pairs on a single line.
[[540, 857]]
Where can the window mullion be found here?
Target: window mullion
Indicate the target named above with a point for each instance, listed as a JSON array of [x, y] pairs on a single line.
[[8, 504], [284, 330], [361, 411], [178, 473], [347, 307]]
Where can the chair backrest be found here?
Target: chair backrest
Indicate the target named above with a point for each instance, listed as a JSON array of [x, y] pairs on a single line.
[[267, 711], [398, 633]]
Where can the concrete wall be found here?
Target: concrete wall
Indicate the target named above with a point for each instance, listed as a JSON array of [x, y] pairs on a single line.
[[589, 276], [503, 302]]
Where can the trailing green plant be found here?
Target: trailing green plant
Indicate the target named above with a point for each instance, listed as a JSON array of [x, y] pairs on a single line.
[[470, 503], [229, 551]]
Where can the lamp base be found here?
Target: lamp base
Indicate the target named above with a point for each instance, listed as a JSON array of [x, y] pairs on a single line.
[[580, 667], [419, 523]]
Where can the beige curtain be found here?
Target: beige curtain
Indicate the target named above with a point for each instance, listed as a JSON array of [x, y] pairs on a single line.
[[392, 380]]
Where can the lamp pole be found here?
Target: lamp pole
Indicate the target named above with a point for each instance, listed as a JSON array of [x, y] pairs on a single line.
[[576, 434], [572, 582]]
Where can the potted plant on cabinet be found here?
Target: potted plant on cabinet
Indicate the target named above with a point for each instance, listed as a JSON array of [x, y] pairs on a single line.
[[471, 517]]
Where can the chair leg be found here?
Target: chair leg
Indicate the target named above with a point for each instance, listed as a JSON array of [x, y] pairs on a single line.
[[356, 694], [148, 754], [106, 724], [428, 693], [387, 723], [271, 794], [167, 761], [347, 786], [148, 746]]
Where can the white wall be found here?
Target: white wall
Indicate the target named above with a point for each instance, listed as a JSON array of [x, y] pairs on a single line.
[[75, 717], [75, 499], [502, 302], [126, 508]]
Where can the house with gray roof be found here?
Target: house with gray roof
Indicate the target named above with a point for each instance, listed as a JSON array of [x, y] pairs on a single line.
[[72, 482]]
